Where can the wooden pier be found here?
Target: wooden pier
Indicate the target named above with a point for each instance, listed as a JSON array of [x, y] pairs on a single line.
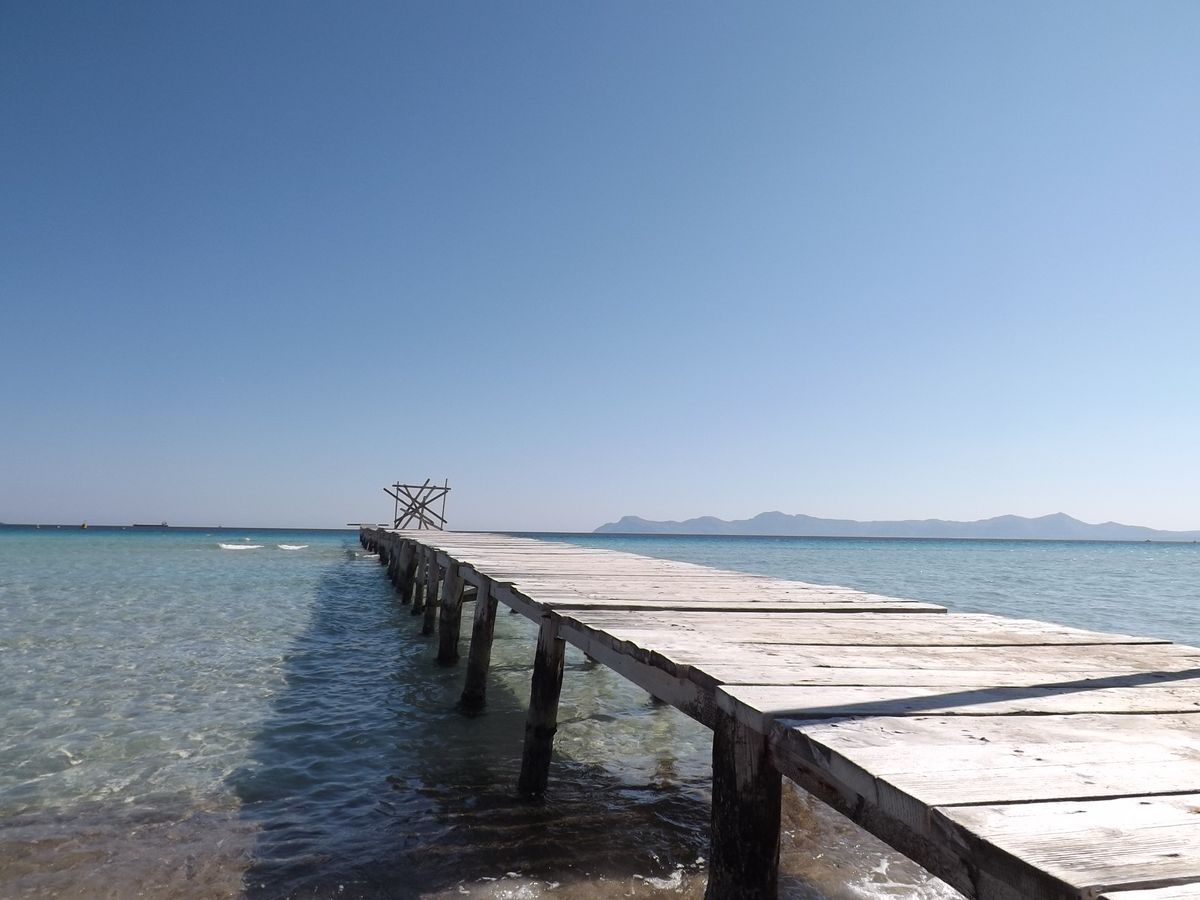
[[1015, 759]]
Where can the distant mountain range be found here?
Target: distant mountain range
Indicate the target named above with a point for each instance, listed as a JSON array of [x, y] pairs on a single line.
[[1057, 527]]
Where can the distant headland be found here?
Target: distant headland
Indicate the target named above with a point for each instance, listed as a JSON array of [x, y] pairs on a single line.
[[1056, 527]]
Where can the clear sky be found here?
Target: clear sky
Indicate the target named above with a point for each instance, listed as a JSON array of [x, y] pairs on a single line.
[[866, 260]]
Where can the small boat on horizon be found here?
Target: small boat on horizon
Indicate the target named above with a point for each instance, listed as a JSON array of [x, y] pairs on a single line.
[[159, 525]]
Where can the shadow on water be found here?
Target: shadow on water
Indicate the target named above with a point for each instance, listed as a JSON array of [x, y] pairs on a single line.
[[366, 782]]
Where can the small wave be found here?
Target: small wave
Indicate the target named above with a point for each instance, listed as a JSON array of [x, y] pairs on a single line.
[[292, 546], [240, 546]]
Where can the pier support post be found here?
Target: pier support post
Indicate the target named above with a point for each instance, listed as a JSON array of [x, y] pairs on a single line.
[[542, 719], [448, 628], [393, 569], [432, 583], [420, 579], [479, 656], [744, 851], [408, 565], [399, 564]]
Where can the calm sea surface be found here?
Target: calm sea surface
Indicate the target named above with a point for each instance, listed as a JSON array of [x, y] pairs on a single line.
[[183, 719]]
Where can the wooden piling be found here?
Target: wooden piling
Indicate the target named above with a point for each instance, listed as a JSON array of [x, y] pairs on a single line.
[[432, 584], [448, 628], [541, 721], [479, 656], [404, 583], [396, 569], [744, 849], [420, 579], [393, 568]]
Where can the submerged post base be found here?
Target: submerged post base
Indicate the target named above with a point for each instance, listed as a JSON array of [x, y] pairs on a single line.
[[746, 797], [542, 719]]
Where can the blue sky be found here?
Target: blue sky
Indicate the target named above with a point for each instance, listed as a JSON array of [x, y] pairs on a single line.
[[867, 260]]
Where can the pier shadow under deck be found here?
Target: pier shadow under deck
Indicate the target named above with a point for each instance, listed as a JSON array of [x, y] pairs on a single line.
[[1015, 759]]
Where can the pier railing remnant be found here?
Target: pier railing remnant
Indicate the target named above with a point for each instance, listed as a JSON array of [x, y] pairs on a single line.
[[418, 501]]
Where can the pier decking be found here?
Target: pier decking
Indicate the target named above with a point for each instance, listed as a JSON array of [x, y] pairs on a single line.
[[1017, 760]]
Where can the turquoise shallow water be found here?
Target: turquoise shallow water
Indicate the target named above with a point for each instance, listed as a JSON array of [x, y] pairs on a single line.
[[179, 719]]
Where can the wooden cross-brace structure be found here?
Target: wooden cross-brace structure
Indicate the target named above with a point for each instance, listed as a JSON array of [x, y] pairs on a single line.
[[417, 500]]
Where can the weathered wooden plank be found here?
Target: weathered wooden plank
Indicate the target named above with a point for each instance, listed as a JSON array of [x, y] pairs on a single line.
[[758, 703], [606, 576], [1083, 730], [1074, 661], [865, 629], [699, 659], [612, 584], [560, 599], [1178, 892], [1094, 666], [583, 587], [733, 606], [780, 674], [912, 764], [1095, 845]]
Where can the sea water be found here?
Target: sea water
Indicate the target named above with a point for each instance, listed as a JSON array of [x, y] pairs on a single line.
[[200, 714]]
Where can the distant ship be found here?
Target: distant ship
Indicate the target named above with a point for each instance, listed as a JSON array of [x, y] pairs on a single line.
[[159, 525]]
